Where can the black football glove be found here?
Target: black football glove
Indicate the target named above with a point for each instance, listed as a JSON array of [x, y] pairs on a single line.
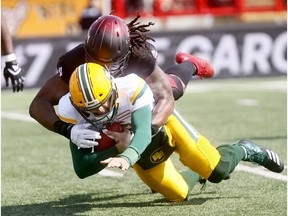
[[14, 72]]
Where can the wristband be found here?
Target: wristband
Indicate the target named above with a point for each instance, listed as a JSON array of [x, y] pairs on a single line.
[[130, 154], [63, 128], [9, 58], [154, 129]]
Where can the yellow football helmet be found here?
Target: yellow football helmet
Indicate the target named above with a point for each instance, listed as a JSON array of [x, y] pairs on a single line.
[[91, 86]]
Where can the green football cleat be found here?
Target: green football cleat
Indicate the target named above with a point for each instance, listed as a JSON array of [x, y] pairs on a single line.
[[262, 156]]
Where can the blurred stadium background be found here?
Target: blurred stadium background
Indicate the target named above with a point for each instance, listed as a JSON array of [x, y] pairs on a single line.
[[239, 37]]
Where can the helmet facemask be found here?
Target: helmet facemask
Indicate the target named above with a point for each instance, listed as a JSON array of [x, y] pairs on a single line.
[[100, 120], [115, 67]]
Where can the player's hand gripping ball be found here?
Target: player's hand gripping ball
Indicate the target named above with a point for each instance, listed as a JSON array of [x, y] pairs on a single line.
[[107, 142]]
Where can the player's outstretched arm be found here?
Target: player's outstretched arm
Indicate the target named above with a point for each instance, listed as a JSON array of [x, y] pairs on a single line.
[[141, 123], [42, 106]]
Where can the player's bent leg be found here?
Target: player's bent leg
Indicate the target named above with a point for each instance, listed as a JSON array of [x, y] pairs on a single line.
[[203, 68], [179, 77], [194, 150], [231, 155], [191, 178], [176, 85], [184, 71], [164, 179], [244, 150], [86, 163]]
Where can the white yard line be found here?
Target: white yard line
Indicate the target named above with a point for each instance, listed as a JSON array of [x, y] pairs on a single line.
[[254, 170], [110, 173], [261, 171], [209, 85], [17, 116], [27, 118]]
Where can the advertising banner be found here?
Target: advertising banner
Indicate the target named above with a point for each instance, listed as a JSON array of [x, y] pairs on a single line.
[[241, 50], [234, 51]]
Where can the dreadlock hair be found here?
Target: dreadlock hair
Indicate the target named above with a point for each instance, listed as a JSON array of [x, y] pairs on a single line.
[[138, 38]]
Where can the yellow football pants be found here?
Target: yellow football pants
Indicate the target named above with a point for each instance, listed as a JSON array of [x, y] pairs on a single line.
[[194, 151]]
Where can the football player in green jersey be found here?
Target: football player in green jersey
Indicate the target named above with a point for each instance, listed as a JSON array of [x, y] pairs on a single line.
[[95, 97]]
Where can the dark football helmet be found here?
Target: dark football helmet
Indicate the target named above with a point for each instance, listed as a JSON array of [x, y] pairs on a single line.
[[108, 44]]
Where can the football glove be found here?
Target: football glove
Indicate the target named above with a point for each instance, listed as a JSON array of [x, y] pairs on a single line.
[[13, 72], [79, 134], [84, 137]]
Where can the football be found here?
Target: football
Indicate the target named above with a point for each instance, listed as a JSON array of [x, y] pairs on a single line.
[[107, 142]]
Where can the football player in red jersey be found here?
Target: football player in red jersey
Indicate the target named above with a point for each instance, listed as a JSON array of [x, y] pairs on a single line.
[[123, 49]]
